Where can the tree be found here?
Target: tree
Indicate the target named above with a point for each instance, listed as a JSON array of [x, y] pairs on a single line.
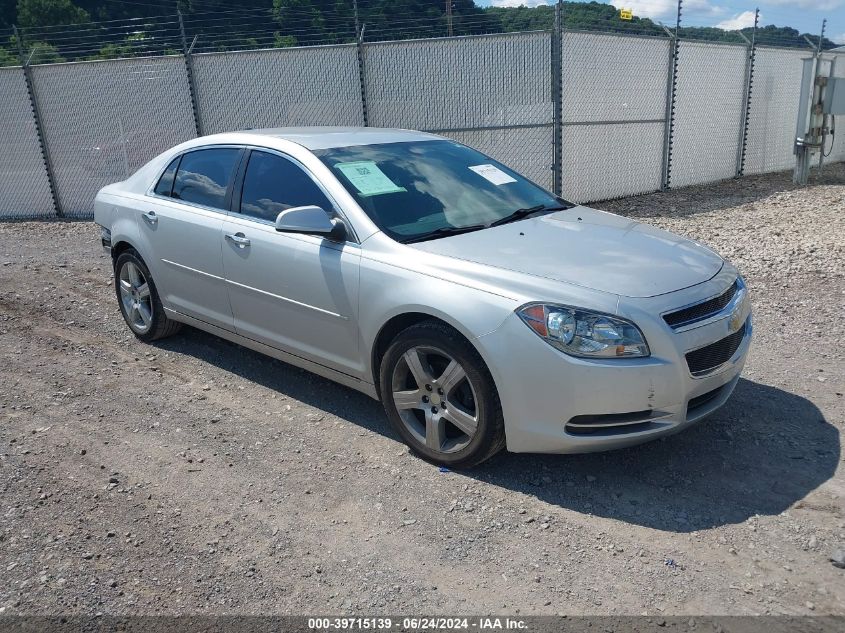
[[41, 13], [43, 53], [8, 13], [315, 21], [7, 58], [330, 21]]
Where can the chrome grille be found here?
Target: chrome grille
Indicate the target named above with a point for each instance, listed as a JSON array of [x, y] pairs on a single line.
[[701, 311], [705, 359]]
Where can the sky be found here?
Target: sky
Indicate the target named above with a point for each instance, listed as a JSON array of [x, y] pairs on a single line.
[[804, 15]]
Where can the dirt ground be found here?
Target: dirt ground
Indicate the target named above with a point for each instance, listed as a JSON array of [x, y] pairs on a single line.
[[194, 476]]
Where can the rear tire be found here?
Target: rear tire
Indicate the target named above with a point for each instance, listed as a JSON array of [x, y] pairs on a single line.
[[138, 299], [440, 397]]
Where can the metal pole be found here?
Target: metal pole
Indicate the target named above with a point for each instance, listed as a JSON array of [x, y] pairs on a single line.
[[669, 129], [362, 75], [818, 57], [746, 110], [449, 29], [189, 70], [557, 98], [39, 127]]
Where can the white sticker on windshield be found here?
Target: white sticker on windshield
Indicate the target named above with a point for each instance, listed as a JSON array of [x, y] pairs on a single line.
[[493, 174], [368, 179]]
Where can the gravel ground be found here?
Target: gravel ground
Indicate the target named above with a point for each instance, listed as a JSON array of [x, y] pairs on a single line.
[[194, 476]]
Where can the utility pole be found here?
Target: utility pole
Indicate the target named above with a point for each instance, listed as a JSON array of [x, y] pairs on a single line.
[[812, 119], [451, 32], [824, 119]]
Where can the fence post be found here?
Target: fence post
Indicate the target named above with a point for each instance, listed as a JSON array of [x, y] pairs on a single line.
[[557, 98], [362, 75], [746, 109], [39, 128], [671, 85], [189, 70]]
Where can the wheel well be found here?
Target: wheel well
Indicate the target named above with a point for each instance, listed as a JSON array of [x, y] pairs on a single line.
[[389, 331], [118, 249]]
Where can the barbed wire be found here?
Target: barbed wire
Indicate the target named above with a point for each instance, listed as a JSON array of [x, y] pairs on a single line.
[[220, 27]]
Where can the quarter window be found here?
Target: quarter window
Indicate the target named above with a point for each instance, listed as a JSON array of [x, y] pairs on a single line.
[[204, 176], [273, 184], [165, 183]]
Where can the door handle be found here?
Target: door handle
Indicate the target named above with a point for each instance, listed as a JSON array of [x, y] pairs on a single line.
[[238, 239], [150, 216]]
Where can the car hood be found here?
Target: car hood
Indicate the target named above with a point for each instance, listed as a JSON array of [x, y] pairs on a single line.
[[588, 248]]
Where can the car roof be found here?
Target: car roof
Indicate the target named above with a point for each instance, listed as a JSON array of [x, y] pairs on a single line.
[[324, 137]]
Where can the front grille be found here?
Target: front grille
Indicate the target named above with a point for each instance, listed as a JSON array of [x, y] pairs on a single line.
[[706, 358], [701, 311]]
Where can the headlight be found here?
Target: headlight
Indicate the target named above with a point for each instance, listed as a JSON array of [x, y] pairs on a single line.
[[583, 333]]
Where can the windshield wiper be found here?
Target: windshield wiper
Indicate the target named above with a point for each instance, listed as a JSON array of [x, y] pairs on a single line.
[[443, 231], [524, 213]]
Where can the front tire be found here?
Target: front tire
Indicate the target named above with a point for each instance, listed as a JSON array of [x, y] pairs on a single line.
[[138, 299], [440, 397]]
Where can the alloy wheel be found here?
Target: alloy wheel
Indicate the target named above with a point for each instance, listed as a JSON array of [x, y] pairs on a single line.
[[435, 399], [135, 297]]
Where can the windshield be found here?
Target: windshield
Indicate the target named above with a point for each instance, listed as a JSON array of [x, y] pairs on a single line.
[[424, 190]]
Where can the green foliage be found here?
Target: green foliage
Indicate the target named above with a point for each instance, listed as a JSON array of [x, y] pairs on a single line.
[[285, 23], [40, 13], [283, 41], [7, 58], [578, 16], [332, 21], [112, 51], [8, 12], [43, 53]]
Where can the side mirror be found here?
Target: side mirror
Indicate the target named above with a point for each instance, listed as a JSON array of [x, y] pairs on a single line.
[[311, 220]]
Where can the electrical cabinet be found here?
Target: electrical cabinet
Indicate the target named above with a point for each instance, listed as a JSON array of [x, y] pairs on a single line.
[[834, 97]]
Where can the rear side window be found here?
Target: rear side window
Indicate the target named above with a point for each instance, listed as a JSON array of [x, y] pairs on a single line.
[[165, 183], [273, 184], [204, 176]]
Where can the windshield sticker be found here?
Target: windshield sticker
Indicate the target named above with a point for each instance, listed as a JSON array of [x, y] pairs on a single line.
[[368, 179], [493, 174]]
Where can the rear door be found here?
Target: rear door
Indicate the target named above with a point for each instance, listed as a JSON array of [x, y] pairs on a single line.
[[298, 293], [182, 227]]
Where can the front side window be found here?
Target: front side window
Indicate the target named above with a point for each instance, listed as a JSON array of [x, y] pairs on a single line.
[[421, 190], [204, 176], [165, 183], [273, 184]]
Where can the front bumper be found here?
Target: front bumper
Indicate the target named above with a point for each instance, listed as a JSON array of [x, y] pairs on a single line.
[[105, 239], [555, 403]]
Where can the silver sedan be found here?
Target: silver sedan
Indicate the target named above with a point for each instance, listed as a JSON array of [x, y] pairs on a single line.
[[483, 311]]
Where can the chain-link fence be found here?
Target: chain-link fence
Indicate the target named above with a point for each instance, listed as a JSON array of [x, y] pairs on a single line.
[[292, 86], [491, 92], [614, 114], [774, 109], [24, 186], [591, 115], [103, 120], [709, 109]]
